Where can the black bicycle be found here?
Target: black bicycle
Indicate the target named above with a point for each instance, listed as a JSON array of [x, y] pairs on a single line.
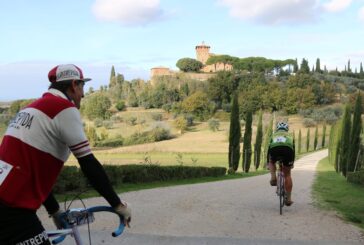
[[281, 191]]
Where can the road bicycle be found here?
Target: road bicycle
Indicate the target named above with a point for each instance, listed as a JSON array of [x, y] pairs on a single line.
[[281, 189], [73, 218]]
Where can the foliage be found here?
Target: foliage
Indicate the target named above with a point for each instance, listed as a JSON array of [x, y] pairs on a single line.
[[258, 141], [356, 130], [181, 124], [299, 142], [188, 65], [17, 105], [309, 122], [154, 135], [308, 140], [247, 148], [221, 87], [157, 116], [96, 105], [323, 142], [197, 104], [115, 142], [267, 138], [214, 124], [344, 143], [120, 105], [72, 178], [234, 135], [315, 141], [91, 134], [356, 177]]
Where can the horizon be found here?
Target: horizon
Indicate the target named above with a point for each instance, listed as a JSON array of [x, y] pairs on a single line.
[[139, 35]]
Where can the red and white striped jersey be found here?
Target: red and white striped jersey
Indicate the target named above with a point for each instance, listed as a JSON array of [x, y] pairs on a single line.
[[36, 144]]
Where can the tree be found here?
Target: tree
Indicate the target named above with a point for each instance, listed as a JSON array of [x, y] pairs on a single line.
[[344, 142], [112, 81], [258, 141], [299, 141], [361, 72], [181, 124], [304, 68], [197, 104], [318, 69], [97, 106], [356, 130], [295, 66], [234, 135], [267, 138], [349, 67], [315, 139], [323, 136], [189, 65], [247, 147], [308, 140]]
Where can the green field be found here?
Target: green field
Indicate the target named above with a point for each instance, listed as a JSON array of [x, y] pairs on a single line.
[[332, 191]]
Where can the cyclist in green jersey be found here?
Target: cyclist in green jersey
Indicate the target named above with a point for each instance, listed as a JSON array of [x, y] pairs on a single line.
[[282, 147]]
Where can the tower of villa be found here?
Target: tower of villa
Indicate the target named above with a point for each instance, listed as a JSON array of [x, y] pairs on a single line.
[[202, 52]]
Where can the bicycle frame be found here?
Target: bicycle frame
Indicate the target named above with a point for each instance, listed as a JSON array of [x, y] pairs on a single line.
[[73, 218]]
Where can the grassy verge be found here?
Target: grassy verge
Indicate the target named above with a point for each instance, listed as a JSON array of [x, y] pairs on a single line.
[[333, 191], [135, 187]]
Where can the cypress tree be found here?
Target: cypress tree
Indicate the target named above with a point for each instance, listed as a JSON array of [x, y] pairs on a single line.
[[344, 142], [258, 141], [295, 66], [299, 141], [355, 134], [308, 140], [247, 147], [323, 136], [315, 139], [361, 71], [318, 68], [267, 137], [112, 80], [349, 68], [234, 135], [294, 139]]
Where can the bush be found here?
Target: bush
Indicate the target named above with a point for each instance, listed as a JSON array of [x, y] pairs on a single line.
[[356, 178], [132, 121], [110, 142], [214, 124], [156, 134], [157, 116], [189, 119], [72, 179], [108, 124], [309, 122], [98, 122], [120, 105]]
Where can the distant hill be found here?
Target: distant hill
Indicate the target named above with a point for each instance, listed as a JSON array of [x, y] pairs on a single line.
[[5, 104]]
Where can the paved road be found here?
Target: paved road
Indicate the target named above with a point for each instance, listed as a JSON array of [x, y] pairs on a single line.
[[243, 211]]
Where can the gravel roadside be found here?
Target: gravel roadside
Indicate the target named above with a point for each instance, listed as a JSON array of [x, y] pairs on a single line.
[[242, 211]]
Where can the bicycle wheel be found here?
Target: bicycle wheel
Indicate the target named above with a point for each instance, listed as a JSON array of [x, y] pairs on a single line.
[[281, 193]]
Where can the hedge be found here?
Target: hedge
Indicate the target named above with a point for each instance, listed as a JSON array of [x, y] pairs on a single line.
[[356, 178], [72, 179]]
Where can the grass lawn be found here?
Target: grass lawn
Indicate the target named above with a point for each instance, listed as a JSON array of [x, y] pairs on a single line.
[[333, 191]]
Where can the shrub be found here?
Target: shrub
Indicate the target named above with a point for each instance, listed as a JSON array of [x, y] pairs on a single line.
[[72, 179], [116, 118], [189, 119], [131, 121], [157, 116], [309, 122], [110, 142], [214, 124], [108, 124], [120, 105], [356, 178], [98, 122]]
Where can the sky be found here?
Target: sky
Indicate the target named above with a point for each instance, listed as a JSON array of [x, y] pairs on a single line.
[[135, 36]]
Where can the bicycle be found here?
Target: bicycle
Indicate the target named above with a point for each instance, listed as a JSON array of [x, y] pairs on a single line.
[[73, 218], [281, 191]]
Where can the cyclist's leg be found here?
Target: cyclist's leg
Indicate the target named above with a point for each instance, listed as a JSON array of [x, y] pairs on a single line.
[[287, 166], [21, 226], [272, 169]]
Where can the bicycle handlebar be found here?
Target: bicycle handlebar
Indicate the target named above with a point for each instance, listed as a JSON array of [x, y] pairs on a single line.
[[68, 228]]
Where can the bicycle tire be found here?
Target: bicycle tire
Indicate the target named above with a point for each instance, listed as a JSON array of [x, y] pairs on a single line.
[[281, 194]]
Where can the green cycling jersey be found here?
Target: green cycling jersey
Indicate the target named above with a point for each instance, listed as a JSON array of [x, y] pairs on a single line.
[[282, 138]]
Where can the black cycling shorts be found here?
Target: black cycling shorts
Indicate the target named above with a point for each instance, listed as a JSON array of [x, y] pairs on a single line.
[[21, 226], [283, 153]]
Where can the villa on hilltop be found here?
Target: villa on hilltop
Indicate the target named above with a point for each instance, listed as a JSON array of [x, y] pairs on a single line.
[[202, 55]]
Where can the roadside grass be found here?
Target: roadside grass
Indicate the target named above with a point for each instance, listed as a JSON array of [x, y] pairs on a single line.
[[143, 186], [331, 190]]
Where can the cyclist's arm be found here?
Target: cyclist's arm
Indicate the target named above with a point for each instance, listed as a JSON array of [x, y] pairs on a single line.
[[95, 173], [51, 204]]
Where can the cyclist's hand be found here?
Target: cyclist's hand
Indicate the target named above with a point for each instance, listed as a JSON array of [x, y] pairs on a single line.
[[124, 210], [57, 219]]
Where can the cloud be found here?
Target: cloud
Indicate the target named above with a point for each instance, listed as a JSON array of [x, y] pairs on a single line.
[[273, 11], [336, 5], [361, 14], [129, 13]]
